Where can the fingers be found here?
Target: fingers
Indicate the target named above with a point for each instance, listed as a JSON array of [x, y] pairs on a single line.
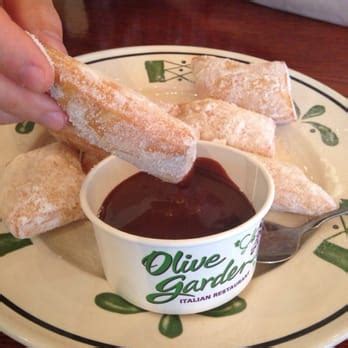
[[40, 18], [7, 118], [17, 103], [20, 59], [22, 64]]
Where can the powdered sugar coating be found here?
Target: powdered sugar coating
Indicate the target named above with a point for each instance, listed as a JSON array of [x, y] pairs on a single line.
[[294, 192], [260, 87], [39, 190], [122, 121], [216, 120]]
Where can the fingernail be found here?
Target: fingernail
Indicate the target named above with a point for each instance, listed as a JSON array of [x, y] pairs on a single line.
[[33, 78], [52, 39], [56, 120]]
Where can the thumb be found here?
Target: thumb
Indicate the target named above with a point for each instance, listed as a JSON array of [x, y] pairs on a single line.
[[42, 20], [20, 59], [51, 39]]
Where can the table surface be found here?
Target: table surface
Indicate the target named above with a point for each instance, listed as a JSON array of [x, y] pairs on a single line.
[[315, 48]]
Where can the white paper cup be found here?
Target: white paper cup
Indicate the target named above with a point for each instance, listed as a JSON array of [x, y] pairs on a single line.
[[180, 276]]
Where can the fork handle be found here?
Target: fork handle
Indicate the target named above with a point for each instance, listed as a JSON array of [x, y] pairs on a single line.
[[316, 222]]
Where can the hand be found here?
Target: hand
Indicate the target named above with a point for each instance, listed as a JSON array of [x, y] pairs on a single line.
[[25, 73]]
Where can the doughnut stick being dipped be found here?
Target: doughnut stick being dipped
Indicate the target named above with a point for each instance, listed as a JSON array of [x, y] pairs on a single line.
[[121, 121], [261, 87]]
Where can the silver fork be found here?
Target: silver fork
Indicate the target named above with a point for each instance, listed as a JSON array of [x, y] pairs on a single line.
[[279, 243]]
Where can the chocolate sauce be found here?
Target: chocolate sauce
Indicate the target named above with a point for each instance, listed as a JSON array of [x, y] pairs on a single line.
[[205, 203]]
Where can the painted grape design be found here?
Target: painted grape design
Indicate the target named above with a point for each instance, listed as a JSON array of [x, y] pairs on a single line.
[[234, 306], [169, 325], [314, 111], [114, 303], [328, 136], [329, 250], [8, 243], [25, 127]]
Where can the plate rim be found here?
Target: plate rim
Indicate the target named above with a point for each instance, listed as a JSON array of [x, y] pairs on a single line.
[[172, 49]]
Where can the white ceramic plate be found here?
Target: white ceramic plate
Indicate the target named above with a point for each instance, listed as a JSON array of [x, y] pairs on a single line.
[[49, 288]]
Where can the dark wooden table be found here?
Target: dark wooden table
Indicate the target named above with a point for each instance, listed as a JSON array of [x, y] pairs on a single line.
[[315, 48]]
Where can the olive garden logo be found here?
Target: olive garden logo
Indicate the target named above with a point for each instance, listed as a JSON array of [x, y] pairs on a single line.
[[178, 284]]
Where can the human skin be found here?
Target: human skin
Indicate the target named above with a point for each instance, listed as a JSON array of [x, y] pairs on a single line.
[[25, 73]]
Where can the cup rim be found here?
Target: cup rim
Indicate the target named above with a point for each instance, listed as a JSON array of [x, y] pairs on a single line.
[[94, 219]]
